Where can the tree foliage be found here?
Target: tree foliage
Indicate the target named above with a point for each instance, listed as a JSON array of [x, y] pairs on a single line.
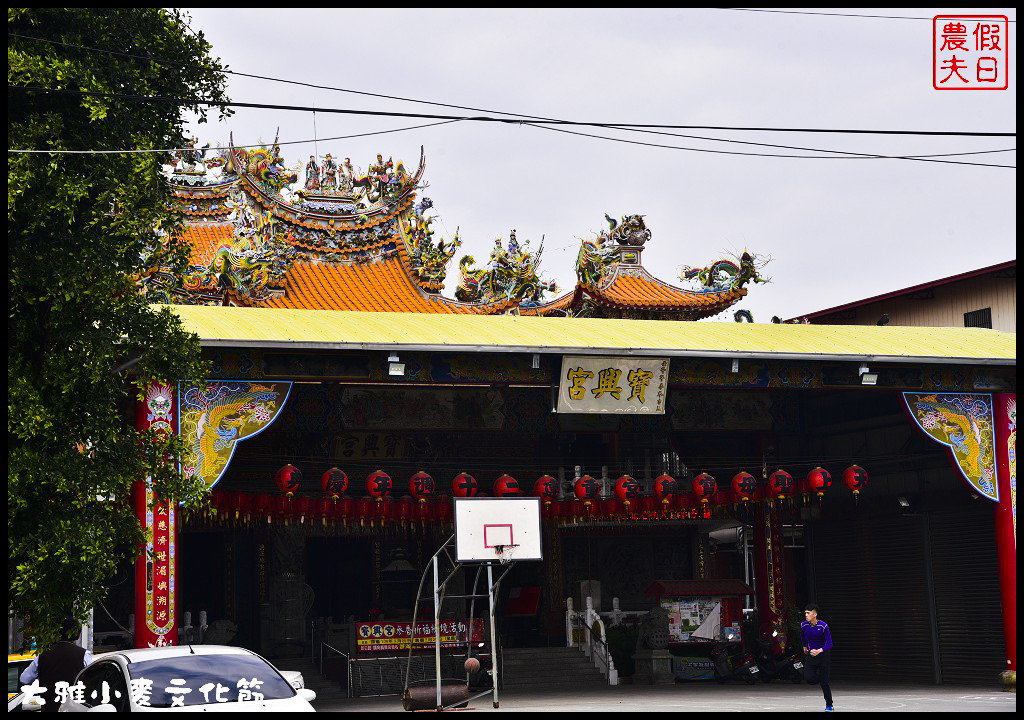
[[82, 342]]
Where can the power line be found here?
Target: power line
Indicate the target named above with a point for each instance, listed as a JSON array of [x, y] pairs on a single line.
[[290, 142], [777, 155], [806, 12], [552, 120], [349, 111], [519, 115]]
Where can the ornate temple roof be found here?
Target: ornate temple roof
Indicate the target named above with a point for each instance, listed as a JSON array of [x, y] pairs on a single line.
[[343, 240]]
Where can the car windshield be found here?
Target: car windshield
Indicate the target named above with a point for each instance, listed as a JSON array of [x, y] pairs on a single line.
[[203, 679], [14, 671]]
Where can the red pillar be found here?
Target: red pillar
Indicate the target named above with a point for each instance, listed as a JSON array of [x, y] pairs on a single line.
[[768, 565], [1006, 517], [156, 565]]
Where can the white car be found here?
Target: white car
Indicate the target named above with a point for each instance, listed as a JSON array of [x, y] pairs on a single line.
[[198, 678]]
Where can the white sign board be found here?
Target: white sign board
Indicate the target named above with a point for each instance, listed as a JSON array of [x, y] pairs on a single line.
[[484, 524], [593, 384]]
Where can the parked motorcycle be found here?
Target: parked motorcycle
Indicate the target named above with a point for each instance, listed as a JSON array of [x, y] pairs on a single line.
[[737, 665], [778, 662]]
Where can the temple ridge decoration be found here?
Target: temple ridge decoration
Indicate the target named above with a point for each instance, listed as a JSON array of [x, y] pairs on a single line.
[[325, 235], [510, 273]]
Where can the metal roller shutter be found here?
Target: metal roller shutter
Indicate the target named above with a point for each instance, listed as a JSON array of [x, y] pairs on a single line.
[[968, 607], [870, 581]]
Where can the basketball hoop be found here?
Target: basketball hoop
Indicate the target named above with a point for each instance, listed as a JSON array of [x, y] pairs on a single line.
[[504, 553]]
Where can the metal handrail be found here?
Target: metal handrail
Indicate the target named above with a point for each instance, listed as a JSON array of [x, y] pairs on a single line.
[[348, 666], [607, 652]]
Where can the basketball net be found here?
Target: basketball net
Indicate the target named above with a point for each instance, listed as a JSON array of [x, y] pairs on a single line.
[[504, 553]]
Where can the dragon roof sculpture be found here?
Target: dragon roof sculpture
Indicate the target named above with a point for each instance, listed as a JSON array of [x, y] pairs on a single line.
[[510, 273], [326, 235]]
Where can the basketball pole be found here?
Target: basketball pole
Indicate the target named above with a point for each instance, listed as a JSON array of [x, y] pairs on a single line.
[[437, 635], [494, 648]]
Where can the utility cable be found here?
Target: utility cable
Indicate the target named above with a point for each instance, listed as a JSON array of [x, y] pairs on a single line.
[[777, 155], [528, 117], [260, 145], [348, 111], [805, 12]]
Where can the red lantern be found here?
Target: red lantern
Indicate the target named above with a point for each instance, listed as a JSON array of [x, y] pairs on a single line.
[[282, 507], [244, 511], [587, 489], [743, 486], [627, 490], [364, 509], [683, 503], [334, 482], [288, 479], [506, 485], [404, 508], [665, 486], [322, 509], [649, 506], [781, 483], [704, 487], [423, 511], [557, 509], [378, 484], [856, 479], [421, 486], [546, 488], [262, 506], [610, 508], [442, 511], [464, 485], [819, 480], [577, 508], [341, 509], [304, 507]]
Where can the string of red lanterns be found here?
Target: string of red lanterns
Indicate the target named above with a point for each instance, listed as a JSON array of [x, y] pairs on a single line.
[[667, 501]]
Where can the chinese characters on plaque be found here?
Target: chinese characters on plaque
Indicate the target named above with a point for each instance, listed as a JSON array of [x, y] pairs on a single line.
[[592, 384], [388, 636], [970, 52]]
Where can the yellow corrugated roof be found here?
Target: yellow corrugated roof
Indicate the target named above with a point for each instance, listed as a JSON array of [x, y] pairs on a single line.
[[327, 329]]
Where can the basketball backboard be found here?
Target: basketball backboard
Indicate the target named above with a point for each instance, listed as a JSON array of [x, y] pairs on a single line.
[[497, 529]]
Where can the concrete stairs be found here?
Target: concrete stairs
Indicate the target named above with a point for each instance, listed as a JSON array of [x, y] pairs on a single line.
[[326, 690], [549, 669]]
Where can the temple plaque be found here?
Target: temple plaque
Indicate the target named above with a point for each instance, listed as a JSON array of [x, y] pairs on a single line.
[[593, 384]]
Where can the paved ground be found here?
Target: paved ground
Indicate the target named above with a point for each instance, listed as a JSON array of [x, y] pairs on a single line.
[[694, 697]]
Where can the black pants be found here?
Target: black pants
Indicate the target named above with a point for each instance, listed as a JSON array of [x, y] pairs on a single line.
[[816, 672]]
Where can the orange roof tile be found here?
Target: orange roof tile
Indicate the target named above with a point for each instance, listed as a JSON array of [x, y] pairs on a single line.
[[641, 290], [206, 240], [382, 286]]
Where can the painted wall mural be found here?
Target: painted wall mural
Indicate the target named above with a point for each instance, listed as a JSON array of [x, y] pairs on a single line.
[[213, 419], [964, 423]]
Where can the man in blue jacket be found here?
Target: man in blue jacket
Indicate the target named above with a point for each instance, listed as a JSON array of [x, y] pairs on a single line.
[[817, 642]]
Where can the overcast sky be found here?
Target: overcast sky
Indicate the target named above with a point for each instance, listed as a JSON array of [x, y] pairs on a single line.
[[836, 230]]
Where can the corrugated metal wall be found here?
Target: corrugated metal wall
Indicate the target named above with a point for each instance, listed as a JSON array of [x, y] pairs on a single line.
[[870, 582], [968, 608]]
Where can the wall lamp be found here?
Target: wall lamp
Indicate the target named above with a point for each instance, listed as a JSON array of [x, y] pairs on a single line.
[[394, 366], [866, 376]]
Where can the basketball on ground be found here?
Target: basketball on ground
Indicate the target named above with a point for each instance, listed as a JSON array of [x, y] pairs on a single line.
[[472, 665]]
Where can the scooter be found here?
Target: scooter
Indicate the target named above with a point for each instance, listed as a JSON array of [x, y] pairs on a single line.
[[736, 666], [777, 662]]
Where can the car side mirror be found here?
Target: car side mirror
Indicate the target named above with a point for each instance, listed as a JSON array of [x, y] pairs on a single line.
[[105, 707], [306, 694]]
